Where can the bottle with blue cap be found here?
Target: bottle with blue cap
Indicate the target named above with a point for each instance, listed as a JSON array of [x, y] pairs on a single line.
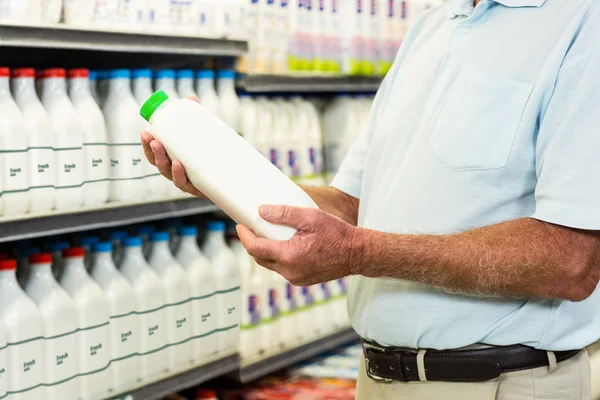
[[185, 83], [226, 271], [178, 299], [95, 151], [68, 148], [125, 331], [150, 296], [127, 165], [205, 87], [93, 337], [103, 78], [60, 328], [164, 79], [93, 81], [229, 103], [249, 118], [202, 288]]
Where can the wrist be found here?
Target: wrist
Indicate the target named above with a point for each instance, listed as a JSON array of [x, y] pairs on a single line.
[[359, 243]]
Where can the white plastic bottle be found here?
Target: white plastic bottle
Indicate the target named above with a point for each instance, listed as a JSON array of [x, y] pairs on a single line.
[[177, 295], [95, 149], [264, 129], [26, 358], [248, 123], [287, 310], [88, 242], [202, 285], [239, 192], [41, 141], [157, 186], [3, 359], [205, 87], [79, 12], [93, 338], [93, 81], [164, 79], [150, 294], [341, 126], [60, 329], [338, 300], [288, 139], [16, 175], [351, 41], [229, 103], [57, 260], [15, 12], [228, 280], [127, 169], [322, 311], [312, 144], [69, 140], [271, 335], [185, 83], [124, 323]]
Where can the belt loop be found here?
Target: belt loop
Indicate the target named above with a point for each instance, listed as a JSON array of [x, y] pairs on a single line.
[[552, 365], [421, 365]]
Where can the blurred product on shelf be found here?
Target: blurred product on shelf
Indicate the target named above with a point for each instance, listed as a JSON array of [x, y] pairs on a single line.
[[353, 37]]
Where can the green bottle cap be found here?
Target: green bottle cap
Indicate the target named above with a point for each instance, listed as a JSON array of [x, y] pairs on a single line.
[[152, 104]]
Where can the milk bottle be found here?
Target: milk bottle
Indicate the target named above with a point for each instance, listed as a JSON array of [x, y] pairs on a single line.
[[16, 173], [338, 300], [124, 126], [157, 186], [60, 329], [171, 125], [117, 238], [312, 146], [79, 12], [93, 81], [205, 87], [124, 323], [288, 138], [15, 12], [287, 310], [57, 260], [41, 141], [93, 338], [69, 140], [264, 128], [103, 80], [164, 79], [229, 103], [248, 123], [23, 264], [145, 232], [177, 295], [306, 319], [228, 280], [351, 40], [271, 336], [26, 360], [321, 312], [250, 324], [88, 243], [202, 285], [95, 149], [185, 83], [3, 359], [150, 295]]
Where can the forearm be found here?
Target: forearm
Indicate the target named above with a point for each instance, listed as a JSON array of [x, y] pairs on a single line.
[[520, 259], [334, 202]]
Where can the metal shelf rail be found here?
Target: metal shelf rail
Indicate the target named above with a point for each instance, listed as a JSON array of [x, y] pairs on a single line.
[[271, 362], [31, 226], [308, 83]]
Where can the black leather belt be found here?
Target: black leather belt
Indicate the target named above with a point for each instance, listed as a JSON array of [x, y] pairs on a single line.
[[387, 364]]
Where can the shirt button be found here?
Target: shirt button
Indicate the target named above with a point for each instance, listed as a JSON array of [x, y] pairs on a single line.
[[467, 29]]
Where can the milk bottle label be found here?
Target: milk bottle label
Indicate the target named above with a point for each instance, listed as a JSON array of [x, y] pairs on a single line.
[[307, 296], [42, 167], [153, 334], [126, 161], [26, 366], [96, 159], [70, 167], [290, 298], [316, 160], [94, 348], [326, 292], [274, 157], [273, 306], [201, 309], [124, 336], [61, 362], [15, 170], [179, 322], [252, 318], [293, 164]]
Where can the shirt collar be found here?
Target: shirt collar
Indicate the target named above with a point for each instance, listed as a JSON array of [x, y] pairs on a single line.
[[465, 7]]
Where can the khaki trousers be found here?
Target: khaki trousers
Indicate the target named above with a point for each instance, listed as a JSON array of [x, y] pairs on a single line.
[[570, 380]]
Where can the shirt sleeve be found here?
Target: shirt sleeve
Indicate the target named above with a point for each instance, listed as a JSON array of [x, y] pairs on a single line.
[[349, 177], [568, 142]]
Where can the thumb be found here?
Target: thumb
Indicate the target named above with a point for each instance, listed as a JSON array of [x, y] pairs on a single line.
[[296, 217]]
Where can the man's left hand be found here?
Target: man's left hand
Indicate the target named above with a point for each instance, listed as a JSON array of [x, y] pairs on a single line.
[[325, 248]]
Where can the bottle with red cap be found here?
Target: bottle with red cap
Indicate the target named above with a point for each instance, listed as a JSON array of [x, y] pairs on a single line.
[[124, 126], [95, 150], [41, 141], [60, 328], [15, 176], [124, 323], [68, 129], [206, 394], [150, 295], [24, 326], [93, 338]]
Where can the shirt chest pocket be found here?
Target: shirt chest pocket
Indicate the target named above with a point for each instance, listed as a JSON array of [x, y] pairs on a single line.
[[478, 121]]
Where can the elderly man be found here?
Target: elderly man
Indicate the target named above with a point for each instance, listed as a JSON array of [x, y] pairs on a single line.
[[468, 212]]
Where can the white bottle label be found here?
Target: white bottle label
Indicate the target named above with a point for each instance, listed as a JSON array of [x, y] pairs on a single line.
[[251, 317], [290, 299], [126, 161], [124, 336], [70, 167], [293, 164], [94, 351], [229, 302], [179, 322], [61, 364], [202, 315], [26, 365], [154, 334], [42, 167], [96, 162], [16, 166]]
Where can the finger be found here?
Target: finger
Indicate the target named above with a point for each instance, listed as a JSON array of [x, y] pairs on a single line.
[[179, 178], [246, 236], [194, 98], [259, 247], [162, 161], [296, 217], [146, 140]]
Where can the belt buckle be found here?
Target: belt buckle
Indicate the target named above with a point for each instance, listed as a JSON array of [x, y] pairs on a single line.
[[373, 346]]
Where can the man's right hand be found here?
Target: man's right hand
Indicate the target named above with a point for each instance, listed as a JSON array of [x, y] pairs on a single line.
[[157, 156]]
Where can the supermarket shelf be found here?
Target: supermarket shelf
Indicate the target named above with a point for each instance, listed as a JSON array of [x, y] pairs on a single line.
[[162, 387], [253, 369], [31, 226], [308, 83], [65, 37]]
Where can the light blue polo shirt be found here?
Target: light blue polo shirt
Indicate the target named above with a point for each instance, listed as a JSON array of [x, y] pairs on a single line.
[[488, 115]]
